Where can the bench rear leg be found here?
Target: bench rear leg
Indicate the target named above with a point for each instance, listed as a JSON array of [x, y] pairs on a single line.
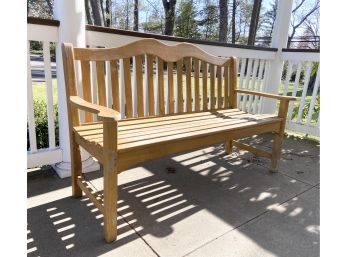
[[276, 152], [76, 168], [228, 147]]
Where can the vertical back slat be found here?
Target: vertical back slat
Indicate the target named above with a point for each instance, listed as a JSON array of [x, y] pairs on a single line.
[[226, 87], [49, 95], [314, 96], [30, 107], [205, 89], [304, 92], [196, 77], [160, 86], [170, 87], [128, 87], [101, 82], [108, 85], [139, 80], [219, 87], [179, 82], [86, 86], [149, 68], [212, 86], [188, 84], [114, 85]]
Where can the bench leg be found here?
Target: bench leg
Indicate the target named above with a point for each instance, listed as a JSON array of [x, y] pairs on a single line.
[[228, 147], [110, 203], [276, 152], [76, 168]]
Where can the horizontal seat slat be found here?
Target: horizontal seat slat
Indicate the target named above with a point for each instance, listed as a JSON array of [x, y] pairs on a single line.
[[162, 124], [198, 128], [160, 130], [175, 127]]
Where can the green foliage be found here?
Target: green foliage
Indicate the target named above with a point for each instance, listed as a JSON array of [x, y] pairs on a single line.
[[41, 124], [209, 24], [186, 23], [305, 112]]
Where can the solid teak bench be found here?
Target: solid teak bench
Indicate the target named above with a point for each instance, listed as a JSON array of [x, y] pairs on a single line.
[[181, 98]]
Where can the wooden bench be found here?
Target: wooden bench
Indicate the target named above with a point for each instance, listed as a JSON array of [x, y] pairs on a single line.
[[203, 113]]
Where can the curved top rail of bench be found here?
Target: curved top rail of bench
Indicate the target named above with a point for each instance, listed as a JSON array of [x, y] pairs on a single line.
[[168, 53]]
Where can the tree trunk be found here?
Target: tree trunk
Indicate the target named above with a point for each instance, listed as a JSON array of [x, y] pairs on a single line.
[[97, 15], [234, 9], [88, 12], [223, 25], [254, 21], [169, 12], [102, 10], [108, 13], [136, 15]]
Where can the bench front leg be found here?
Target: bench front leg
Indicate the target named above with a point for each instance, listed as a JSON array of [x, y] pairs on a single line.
[[279, 136], [110, 180], [228, 146]]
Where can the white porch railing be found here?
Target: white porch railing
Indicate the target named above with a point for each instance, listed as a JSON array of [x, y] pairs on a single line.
[[52, 154], [304, 114], [254, 67]]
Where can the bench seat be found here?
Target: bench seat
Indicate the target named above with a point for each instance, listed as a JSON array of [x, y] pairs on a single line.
[[170, 134]]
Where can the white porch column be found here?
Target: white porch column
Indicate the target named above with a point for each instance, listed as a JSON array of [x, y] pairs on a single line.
[[279, 40], [71, 14]]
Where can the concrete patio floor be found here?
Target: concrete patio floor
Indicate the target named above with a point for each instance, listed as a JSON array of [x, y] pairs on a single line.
[[201, 203]]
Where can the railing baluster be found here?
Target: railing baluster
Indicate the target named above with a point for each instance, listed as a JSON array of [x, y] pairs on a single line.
[[241, 78], [304, 92], [314, 96], [246, 85], [252, 86], [49, 95], [294, 91], [258, 86], [287, 79], [31, 117]]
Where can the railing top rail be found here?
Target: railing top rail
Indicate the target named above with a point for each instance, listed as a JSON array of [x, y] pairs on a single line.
[[172, 38], [301, 50], [40, 21]]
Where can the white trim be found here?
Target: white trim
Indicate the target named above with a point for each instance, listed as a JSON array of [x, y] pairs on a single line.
[[299, 127], [37, 32], [300, 56], [44, 157]]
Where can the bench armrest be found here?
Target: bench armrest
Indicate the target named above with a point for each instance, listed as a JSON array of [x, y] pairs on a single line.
[[274, 96], [103, 113]]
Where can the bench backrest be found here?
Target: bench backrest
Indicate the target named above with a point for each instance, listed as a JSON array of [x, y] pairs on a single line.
[[181, 76]]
